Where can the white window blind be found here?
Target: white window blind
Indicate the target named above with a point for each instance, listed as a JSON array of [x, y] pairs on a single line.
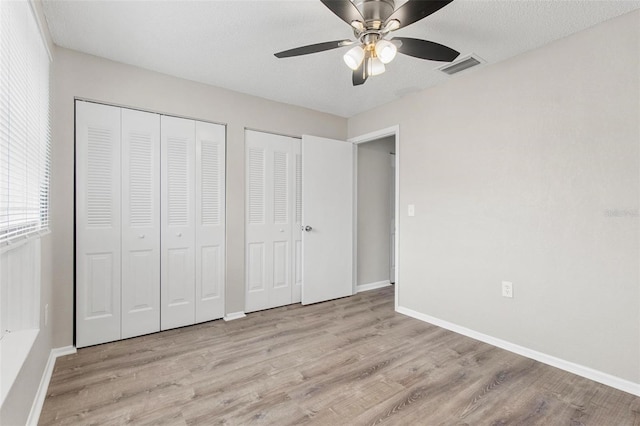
[[24, 124]]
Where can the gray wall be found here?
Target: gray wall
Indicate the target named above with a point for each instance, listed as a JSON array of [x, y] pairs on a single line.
[[375, 193], [528, 171], [80, 75]]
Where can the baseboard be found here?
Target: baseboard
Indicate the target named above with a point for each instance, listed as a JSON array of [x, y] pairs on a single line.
[[372, 286], [580, 370], [41, 394], [234, 316]]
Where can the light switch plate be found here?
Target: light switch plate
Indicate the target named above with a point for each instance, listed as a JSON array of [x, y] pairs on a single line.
[[411, 210], [507, 289]]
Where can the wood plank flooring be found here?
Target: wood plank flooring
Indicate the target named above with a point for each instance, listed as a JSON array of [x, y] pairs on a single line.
[[352, 361]]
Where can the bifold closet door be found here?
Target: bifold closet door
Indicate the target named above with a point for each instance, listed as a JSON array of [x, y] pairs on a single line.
[[177, 258], [140, 223], [210, 221], [98, 224], [270, 219], [150, 222]]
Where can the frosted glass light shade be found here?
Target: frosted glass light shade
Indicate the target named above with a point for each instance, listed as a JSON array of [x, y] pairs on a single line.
[[386, 51], [392, 25], [375, 67], [357, 25], [354, 56]]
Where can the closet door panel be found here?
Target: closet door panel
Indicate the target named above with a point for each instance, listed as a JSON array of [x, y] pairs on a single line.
[[210, 221], [256, 232], [178, 222], [296, 289], [282, 161], [140, 223], [98, 224], [270, 216]]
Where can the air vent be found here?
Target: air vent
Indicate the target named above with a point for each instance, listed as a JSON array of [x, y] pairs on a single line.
[[461, 64]]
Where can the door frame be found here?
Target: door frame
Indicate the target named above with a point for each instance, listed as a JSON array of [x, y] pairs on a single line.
[[368, 137]]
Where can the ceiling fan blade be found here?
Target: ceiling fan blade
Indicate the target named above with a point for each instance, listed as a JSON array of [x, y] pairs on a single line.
[[415, 10], [360, 74], [313, 48], [344, 9], [424, 49]]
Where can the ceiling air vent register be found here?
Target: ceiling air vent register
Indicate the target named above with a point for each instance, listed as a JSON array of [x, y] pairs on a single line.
[[461, 65]]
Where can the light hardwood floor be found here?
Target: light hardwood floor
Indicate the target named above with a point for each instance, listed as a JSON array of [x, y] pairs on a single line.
[[346, 362]]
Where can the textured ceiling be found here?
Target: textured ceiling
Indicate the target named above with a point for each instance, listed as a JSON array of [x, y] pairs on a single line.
[[230, 44]]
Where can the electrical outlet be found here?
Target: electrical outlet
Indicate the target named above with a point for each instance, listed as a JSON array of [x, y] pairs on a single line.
[[46, 314], [507, 289]]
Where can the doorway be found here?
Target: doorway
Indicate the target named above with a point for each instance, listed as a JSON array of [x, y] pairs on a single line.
[[376, 210]]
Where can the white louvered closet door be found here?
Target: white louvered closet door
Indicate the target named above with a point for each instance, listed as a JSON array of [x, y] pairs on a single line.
[[98, 224], [177, 258], [140, 223], [270, 217], [296, 291], [210, 221]]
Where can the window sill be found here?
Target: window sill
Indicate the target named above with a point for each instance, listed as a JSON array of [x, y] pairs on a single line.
[[14, 350], [4, 247]]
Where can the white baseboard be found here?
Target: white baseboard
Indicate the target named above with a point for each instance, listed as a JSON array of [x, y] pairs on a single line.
[[580, 370], [41, 394], [234, 316], [372, 286]]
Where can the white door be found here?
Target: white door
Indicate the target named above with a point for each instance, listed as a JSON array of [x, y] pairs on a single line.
[[327, 215], [98, 224], [177, 259], [140, 223], [210, 221], [270, 218]]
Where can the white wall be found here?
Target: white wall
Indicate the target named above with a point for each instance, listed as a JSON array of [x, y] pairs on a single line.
[[528, 171], [79, 75], [375, 180]]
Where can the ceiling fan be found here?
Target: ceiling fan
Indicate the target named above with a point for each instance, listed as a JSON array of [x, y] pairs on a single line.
[[372, 21]]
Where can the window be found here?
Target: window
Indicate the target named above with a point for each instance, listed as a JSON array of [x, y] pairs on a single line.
[[24, 181], [24, 124]]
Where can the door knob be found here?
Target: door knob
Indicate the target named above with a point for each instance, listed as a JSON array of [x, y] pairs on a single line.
[[308, 228], [141, 236], [179, 234]]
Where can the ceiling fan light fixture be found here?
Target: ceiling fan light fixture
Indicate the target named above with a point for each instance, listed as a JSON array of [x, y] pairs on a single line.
[[358, 25], [392, 25], [375, 66], [386, 51], [354, 57], [371, 21]]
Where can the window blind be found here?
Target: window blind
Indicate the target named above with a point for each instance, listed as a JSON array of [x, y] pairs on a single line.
[[25, 140]]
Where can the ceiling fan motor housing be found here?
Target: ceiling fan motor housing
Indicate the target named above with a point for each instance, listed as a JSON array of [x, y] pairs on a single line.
[[375, 12]]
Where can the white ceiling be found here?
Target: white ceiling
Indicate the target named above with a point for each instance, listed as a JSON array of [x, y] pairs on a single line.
[[230, 44]]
